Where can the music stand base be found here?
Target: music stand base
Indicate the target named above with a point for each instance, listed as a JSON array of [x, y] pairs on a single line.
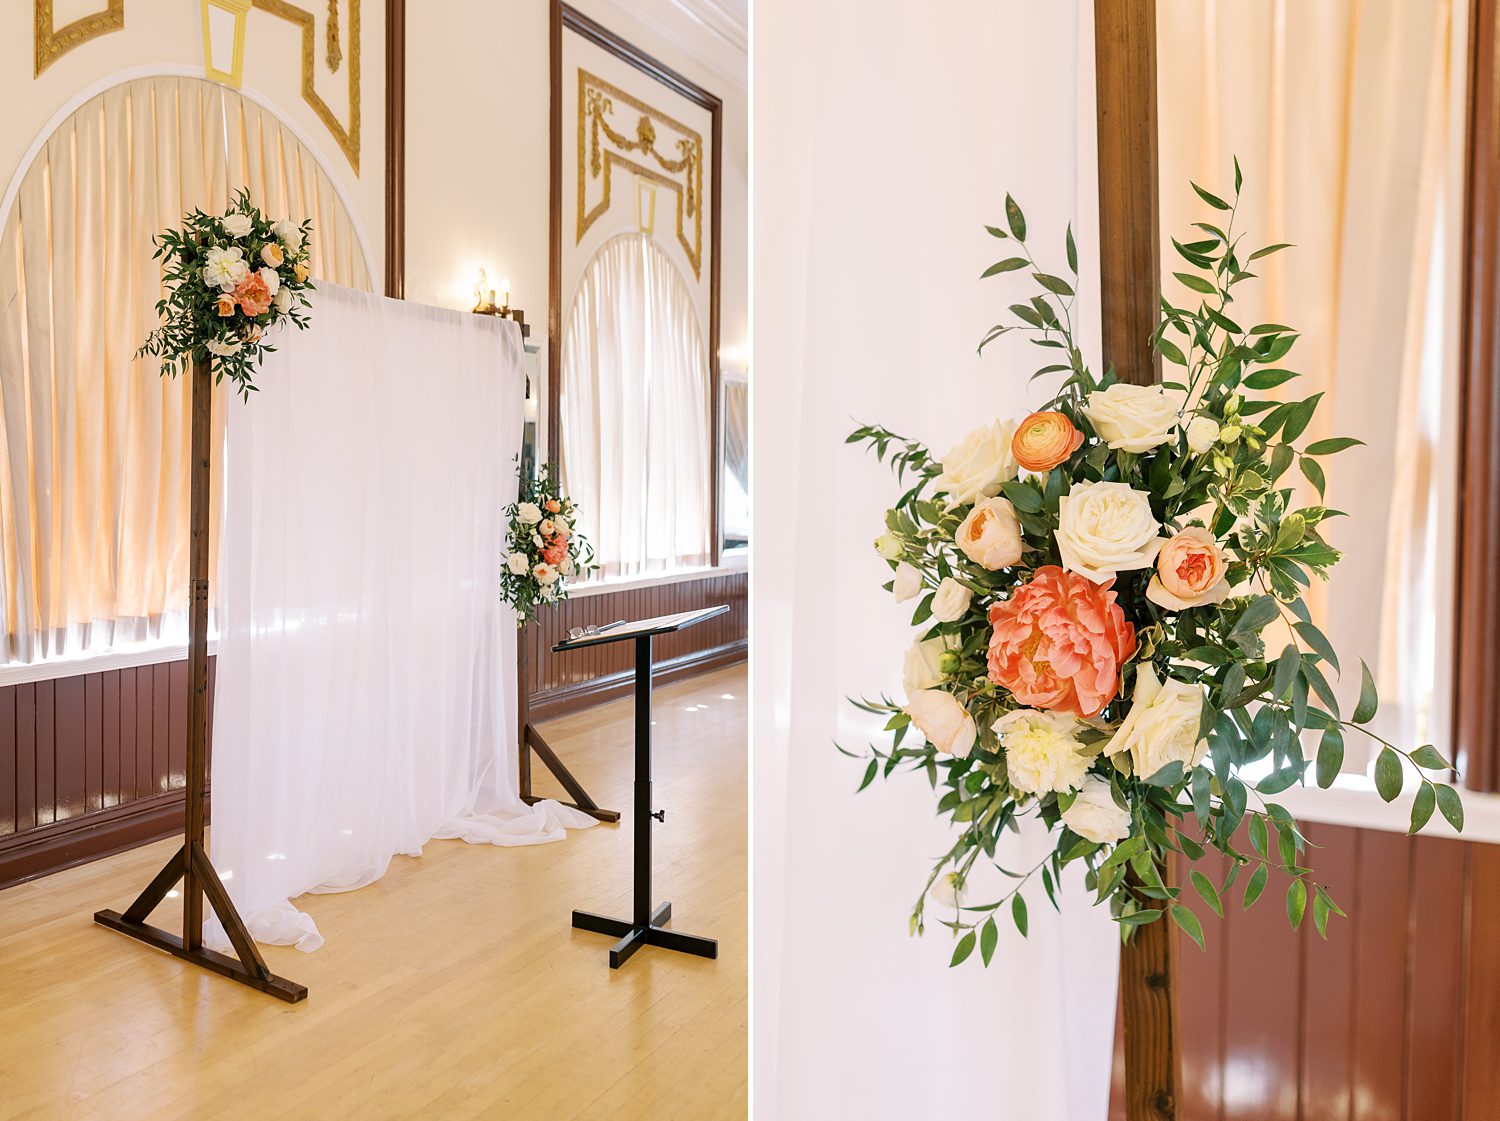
[[279, 987], [632, 937]]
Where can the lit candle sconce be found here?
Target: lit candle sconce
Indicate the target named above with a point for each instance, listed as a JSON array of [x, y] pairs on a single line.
[[485, 303]]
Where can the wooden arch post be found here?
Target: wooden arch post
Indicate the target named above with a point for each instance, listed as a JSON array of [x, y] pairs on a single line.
[[1129, 281]]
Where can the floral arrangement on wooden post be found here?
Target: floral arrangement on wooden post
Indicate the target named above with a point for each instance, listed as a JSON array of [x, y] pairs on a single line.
[[233, 277], [545, 551], [1113, 639]]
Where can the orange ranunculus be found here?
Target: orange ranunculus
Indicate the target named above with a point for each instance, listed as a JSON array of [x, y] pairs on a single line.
[[1059, 641], [553, 505], [226, 306], [1043, 440], [253, 294]]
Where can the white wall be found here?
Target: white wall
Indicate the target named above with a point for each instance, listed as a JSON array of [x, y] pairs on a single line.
[[885, 136]]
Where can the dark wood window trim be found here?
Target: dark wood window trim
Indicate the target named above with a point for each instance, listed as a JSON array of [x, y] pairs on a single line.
[[1476, 672], [568, 18], [395, 149]]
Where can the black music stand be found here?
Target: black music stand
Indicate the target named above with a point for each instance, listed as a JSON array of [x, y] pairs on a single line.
[[646, 926]]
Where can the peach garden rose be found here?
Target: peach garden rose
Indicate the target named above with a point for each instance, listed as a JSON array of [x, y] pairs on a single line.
[[253, 294], [1189, 572]]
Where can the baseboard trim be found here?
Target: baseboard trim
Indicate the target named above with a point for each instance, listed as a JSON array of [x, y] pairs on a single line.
[[557, 703], [92, 836]]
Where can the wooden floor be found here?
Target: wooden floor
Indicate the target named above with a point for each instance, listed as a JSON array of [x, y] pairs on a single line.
[[451, 989]]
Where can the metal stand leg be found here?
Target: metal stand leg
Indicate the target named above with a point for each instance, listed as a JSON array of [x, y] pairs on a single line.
[[647, 926]]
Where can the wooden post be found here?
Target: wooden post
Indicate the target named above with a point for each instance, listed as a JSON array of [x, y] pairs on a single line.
[[1129, 276]]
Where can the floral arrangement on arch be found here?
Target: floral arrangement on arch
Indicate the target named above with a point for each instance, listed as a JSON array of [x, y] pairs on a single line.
[[1109, 596], [544, 550], [233, 277]]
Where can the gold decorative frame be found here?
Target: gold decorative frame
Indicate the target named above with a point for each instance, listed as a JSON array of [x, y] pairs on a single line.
[[54, 42], [596, 103], [348, 138]]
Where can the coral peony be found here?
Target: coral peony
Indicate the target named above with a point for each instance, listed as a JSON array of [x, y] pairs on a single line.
[[1059, 641], [1043, 440], [253, 295], [555, 550]]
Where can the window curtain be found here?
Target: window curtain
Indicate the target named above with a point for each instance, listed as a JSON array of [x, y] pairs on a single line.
[[635, 412], [1344, 115], [365, 694], [93, 443]]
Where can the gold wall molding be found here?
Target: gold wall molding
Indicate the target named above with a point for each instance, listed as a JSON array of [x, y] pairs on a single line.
[[602, 147], [347, 136], [54, 42]]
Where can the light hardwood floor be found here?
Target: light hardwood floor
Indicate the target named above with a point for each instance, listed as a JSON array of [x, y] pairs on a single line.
[[451, 989]]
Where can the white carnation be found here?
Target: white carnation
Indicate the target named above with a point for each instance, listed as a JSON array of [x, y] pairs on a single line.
[[1135, 418], [224, 268], [1042, 751], [1106, 528], [1095, 816]]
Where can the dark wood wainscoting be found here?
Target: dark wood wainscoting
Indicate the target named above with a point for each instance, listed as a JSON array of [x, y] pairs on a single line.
[[1396, 1017], [562, 683], [90, 765]]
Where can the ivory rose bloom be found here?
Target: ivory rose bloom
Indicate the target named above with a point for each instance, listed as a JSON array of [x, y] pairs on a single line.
[[237, 225], [908, 582], [1106, 528], [282, 301], [951, 602], [980, 462], [1162, 724], [253, 295], [1202, 434], [1189, 572], [288, 233], [1042, 752], [1058, 643], [923, 666], [1094, 816], [517, 563], [529, 513], [943, 722], [1134, 418], [271, 254], [223, 349], [1043, 440], [991, 536]]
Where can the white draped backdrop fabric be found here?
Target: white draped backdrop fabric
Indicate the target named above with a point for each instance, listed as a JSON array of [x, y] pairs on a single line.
[[365, 691], [885, 135]]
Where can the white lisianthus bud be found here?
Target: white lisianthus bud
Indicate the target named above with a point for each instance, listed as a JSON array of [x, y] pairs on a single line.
[[529, 513], [1202, 434], [948, 890], [923, 667], [979, 463], [1230, 433], [951, 601], [518, 563], [908, 582], [1162, 724], [1134, 418], [888, 545], [1106, 528], [282, 301], [1094, 816], [943, 722]]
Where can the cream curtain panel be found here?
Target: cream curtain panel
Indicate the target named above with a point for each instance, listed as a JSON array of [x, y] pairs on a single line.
[[94, 444], [1343, 114], [635, 412]]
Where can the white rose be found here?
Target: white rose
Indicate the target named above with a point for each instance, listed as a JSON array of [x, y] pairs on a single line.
[[1042, 752], [1094, 815], [1202, 434], [224, 268], [991, 535], [237, 224], [951, 601], [561, 524], [943, 722], [288, 233], [1134, 418], [518, 563], [272, 279], [977, 466], [529, 513], [908, 582], [888, 545], [545, 574], [282, 300], [1106, 528], [1162, 724], [923, 667], [223, 350], [567, 568]]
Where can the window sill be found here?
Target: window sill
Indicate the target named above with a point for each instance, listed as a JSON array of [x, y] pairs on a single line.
[[727, 566], [1352, 801], [142, 654]]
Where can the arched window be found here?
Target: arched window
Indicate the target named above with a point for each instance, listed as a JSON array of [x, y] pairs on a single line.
[[635, 412]]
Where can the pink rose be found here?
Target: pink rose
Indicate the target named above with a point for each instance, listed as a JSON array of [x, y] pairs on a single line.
[[253, 295], [1059, 641], [1189, 572]]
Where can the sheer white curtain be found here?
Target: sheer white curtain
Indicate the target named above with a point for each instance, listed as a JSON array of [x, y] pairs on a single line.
[[635, 412], [867, 309], [365, 695]]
